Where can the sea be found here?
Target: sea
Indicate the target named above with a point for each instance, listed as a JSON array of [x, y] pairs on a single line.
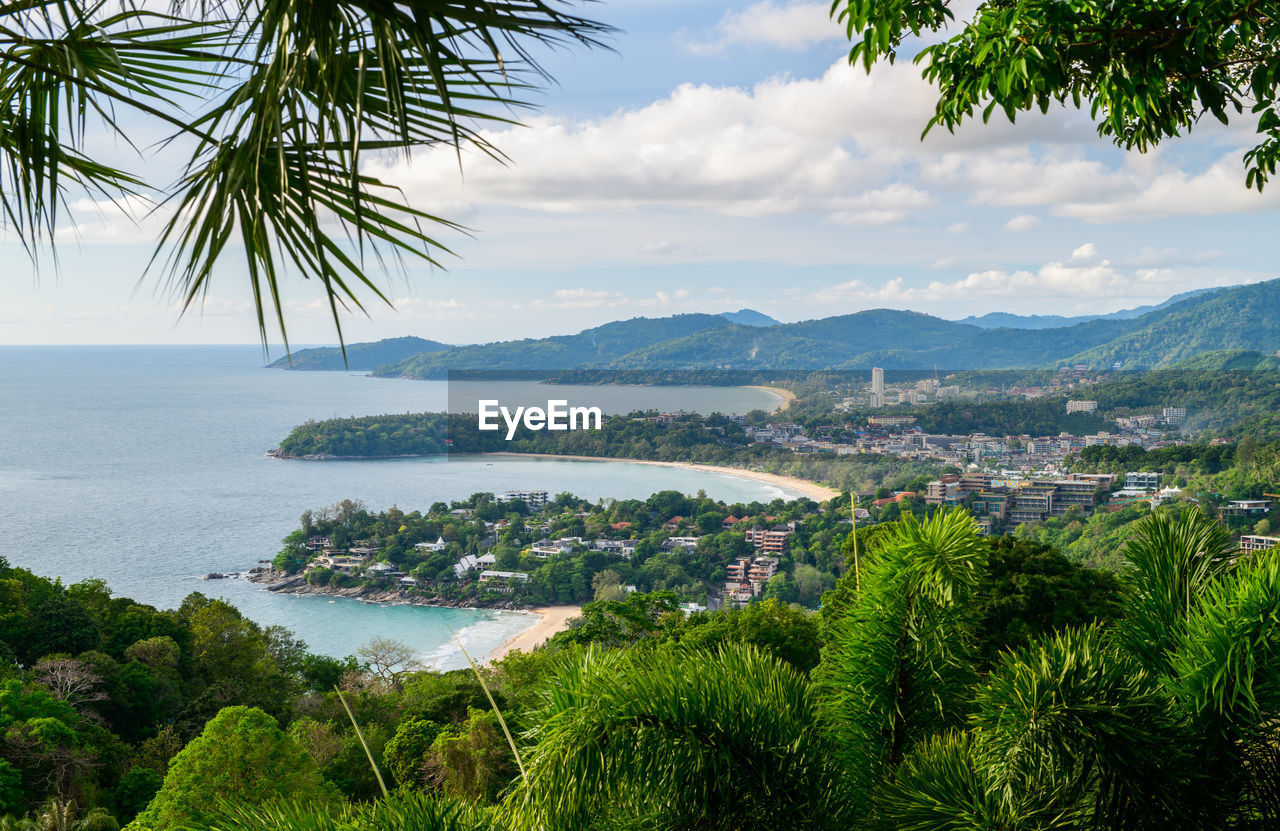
[[146, 466]]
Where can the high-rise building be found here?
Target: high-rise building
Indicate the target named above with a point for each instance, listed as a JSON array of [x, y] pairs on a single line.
[[877, 380]]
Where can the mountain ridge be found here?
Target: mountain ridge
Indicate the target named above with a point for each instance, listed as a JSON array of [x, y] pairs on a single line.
[[1243, 317]]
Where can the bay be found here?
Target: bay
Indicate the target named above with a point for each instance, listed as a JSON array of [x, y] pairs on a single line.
[[146, 467]]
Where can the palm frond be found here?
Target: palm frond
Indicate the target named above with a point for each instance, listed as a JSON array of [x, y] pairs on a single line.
[[681, 739], [1072, 727], [941, 786], [1170, 558], [1226, 678], [298, 94], [899, 665], [399, 812]]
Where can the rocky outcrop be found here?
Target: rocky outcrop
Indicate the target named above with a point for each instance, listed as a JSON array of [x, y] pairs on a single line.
[[284, 583]]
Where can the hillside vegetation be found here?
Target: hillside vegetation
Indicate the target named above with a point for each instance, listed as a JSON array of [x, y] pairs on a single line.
[[360, 356], [1238, 318]]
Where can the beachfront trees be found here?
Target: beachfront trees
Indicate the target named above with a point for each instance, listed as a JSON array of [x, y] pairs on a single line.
[[1147, 71], [273, 106]]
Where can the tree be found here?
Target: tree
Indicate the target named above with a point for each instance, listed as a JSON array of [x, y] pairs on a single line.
[[241, 754], [1084, 727], [388, 659], [778, 629], [607, 586], [471, 761], [406, 751], [1147, 71], [296, 95], [615, 623], [688, 739], [232, 657], [137, 787], [62, 625], [70, 680], [1030, 590]]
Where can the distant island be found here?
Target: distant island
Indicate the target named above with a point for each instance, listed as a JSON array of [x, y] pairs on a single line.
[[1240, 318]]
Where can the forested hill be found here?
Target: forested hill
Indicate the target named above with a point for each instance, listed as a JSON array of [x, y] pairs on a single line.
[[1245, 317], [1005, 320], [360, 356], [600, 346], [1238, 318]]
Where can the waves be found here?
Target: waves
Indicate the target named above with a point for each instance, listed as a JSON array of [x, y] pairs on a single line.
[[478, 639]]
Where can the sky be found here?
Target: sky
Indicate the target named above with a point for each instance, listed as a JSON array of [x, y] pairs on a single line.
[[720, 155]]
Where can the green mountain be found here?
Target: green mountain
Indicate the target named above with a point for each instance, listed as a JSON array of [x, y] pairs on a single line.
[[749, 317], [596, 347], [847, 341], [360, 356], [1005, 320], [1191, 325], [1232, 359], [1242, 317]]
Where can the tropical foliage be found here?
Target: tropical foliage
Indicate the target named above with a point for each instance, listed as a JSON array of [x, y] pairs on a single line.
[[276, 104], [1166, 719], [1146, 71], [949, 682]]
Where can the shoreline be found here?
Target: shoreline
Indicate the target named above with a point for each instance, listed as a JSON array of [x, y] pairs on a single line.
[[552, 619], [814, 491], [788, 397]]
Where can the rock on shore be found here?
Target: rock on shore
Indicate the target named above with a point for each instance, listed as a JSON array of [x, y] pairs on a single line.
[[284, 583]]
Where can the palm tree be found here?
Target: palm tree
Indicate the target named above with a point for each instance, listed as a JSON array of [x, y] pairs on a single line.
[[667, 738], [1086, 728], [275, 104]]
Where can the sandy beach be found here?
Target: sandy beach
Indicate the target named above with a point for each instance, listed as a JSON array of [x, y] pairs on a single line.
[[554, 619], [787, 395], [816, 492]]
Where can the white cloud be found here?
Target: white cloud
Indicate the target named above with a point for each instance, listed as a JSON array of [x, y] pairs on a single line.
[[1085, 252], [832, 145], [884, 206], [1061, 282], [580, 299], [1022, 222], [1174, 192], [793, 26], [828, 145]]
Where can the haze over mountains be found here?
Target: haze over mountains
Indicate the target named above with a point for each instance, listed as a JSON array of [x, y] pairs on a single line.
[[1185, 326], [996, 320]]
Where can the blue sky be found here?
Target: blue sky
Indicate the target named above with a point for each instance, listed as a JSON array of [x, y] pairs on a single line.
[[724, 156]]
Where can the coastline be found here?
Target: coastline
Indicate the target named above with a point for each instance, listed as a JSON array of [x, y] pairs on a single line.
[[552, 619], [816, 492], [787, 395]]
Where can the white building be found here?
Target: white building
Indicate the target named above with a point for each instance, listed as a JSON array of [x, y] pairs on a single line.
[[536, 500], [1253, 542]]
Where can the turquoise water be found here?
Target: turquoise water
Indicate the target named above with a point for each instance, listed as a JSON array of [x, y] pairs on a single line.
[[145, 466]]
